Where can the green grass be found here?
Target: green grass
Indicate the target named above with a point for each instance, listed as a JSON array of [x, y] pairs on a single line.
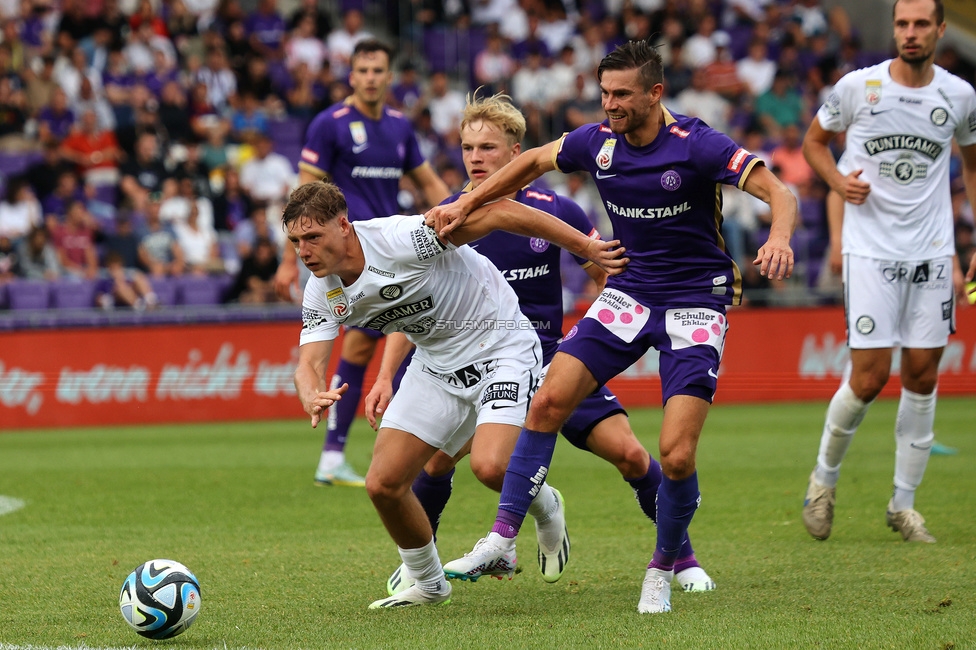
[[284, 564]]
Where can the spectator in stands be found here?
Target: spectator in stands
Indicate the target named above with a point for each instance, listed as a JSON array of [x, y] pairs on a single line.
[[231, 205], [218, 78], [9, 265], [143, 41], [590, 48], [69, 75], [677, 74], [321, 19], [722, 75], [255, 281], [305, 94], [757, 70], [532, 42], [55, 120], [124, 286], [788, 157], [117, 83], [266, 30], [39, 86], [180, 196], [258, 81], [494, 66], [237, 45], [43, 174], [163, 71], [37, 257], [531, 88], [144, 14], [74, 241], [20, 210], [181, 26], [303, 46], [342, 40], [201, 252], [204, 116], [701, 102], [75, 24], [699, 48], [55, 205], [406, 91], [248, 120], [173, 111], [144, 174], [781, 105], [585, 107], [94, 151], [268, 177], [159, 252]]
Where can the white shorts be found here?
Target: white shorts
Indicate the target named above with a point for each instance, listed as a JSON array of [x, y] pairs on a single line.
[[891, 304], [443, 409]]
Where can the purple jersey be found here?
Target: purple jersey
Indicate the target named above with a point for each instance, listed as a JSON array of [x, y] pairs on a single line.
[[270, 29], [531, 265], [364, 157], [664, 201]]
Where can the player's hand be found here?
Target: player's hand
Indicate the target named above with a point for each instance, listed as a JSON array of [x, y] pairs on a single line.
[[608, 255], [377, 400], [322, 401], [855, 190], [444, 219], [775, 258], [286, 279]]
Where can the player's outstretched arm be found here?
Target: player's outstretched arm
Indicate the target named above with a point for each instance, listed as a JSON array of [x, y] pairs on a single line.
[[775, 257], [524, 169], [396, 349], [313, 359], [521, 219]]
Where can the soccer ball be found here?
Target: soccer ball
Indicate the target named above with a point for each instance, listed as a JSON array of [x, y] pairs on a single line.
[[160, 599]]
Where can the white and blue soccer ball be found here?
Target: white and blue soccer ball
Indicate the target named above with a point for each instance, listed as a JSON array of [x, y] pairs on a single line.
[[160, 599]]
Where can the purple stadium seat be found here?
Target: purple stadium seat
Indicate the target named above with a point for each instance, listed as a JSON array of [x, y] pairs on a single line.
[[28, 294], [199, 290], [165, 290], [73, 294]]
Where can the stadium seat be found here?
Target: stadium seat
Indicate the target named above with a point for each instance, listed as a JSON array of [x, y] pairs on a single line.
[[199, 290], [28, 294], [165, 290], [70, 293]]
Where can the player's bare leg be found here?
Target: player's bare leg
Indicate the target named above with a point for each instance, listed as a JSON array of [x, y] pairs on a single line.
[[397, 459]]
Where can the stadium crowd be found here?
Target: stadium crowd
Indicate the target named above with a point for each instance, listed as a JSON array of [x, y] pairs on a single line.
[[143, 142]]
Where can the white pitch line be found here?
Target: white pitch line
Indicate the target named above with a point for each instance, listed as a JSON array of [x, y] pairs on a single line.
[[8, 505]]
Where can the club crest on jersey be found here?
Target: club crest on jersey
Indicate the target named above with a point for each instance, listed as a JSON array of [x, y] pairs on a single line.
[[939, 116], [605, 158], [670, 180], [538, 244], [338, 304], [872, 91], [358, 132], [391, 292]]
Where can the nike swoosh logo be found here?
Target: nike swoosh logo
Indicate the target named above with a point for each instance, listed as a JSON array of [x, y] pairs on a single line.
[[495, 407], [609, 398], [711, 373], [472, 245], [602, 176], [875, 111], [359, 148]]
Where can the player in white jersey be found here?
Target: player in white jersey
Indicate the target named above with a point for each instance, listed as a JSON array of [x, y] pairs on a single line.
[[900, 273], [477, 356]]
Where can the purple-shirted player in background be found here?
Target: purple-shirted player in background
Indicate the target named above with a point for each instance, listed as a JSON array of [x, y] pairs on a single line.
[[491, 133], [659, 175], [365, 147]]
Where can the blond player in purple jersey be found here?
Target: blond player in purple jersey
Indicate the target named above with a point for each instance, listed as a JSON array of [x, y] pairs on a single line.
[[659, 176]]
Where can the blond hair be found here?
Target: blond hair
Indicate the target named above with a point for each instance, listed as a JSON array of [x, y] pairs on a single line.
[[498, 110]]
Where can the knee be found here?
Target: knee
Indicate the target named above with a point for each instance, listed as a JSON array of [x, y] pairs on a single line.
[[547, 411], [491, 472], [358, 348], [439, 465], [678, 462], [382, 490], [633, 461]]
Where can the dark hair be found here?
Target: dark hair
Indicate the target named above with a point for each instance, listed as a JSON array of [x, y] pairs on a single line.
[[635, 54], [939, 11], [370, 45], [318, 201]]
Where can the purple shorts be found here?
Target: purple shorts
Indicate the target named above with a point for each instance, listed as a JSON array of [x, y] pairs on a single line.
[[617, 331], [376, 335]]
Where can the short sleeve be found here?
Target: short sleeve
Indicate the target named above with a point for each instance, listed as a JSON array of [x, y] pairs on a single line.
[[316, 323]]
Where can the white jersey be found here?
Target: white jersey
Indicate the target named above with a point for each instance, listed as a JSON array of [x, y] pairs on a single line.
[[901, 137], [452, 303]]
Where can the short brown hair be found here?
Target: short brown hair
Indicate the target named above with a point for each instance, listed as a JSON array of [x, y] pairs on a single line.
[[639, 55], [939, 11], [318, 201]]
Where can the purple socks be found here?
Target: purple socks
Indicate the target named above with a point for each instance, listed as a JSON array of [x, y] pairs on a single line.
[[433, 492], [676, 505], [343, 412], [645, 490], [526, 472]]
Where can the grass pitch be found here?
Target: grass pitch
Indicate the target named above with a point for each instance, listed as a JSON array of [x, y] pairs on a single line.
[[284, 564]]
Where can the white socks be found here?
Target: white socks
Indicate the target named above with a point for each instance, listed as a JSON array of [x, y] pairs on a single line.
[[544, 505], [330, 460], [424, 566], [913, 441], [844, 415]]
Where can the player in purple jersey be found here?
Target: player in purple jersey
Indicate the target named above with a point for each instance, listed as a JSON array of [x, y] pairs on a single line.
[[364, 147], [491, 132], [658, 174]]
